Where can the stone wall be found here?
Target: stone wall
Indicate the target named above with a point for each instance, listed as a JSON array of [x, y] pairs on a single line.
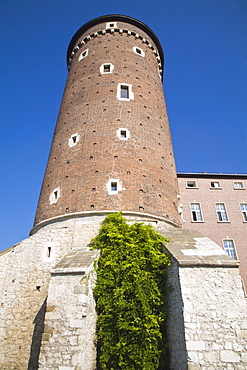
[[24, 280], [207, 312]]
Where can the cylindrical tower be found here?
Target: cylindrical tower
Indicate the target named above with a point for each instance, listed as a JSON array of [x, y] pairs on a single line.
[[112, 148]]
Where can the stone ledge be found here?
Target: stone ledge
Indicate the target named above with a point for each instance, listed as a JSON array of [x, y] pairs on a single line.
[[191, 248]]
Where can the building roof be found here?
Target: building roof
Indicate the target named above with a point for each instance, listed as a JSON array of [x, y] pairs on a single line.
[[207, 175]]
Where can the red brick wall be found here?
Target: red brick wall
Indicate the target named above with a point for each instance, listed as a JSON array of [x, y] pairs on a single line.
[[235, 229], [144, 163]]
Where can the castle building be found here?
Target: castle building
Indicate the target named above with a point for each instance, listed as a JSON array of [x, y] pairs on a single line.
[[111, 152], [216, 205]]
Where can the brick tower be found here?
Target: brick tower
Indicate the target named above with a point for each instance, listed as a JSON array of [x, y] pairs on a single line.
[[112, 148]]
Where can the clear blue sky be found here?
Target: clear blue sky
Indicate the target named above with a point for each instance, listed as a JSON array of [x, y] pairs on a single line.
[[205, 46]]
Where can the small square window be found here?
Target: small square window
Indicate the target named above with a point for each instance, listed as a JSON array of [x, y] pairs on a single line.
[[215, 185], [123, 134], [229, 248], [124, 92], [107, 68], [238, 185], [191, 184], [111, 25], [113, 186]]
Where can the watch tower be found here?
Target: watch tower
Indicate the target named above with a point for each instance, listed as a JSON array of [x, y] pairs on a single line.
[[112, 148]]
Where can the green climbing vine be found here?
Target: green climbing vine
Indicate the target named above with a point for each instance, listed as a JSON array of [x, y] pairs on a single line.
[[130, 295]]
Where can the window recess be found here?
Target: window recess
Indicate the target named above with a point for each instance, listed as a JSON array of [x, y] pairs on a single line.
[[138, 51], [191, 184], [83, 55], [106, 68], [243, 208], [124, 92], [215, 185], [221, 212], [230, 248], [238, 185], [196, 213]]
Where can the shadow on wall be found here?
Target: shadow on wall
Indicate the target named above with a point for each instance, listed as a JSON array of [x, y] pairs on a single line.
[[37, 336]]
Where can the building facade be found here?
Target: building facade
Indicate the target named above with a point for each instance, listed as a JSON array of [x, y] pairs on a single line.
[[216, 205], [111, 152]]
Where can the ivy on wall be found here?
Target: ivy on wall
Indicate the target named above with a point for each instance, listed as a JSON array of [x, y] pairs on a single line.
[[130, 296]]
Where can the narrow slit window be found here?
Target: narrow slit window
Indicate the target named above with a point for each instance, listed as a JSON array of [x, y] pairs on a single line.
[[49, 252], [74, 139], [55, 194]]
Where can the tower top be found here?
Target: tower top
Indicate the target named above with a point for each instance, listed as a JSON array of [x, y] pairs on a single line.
[[116, 18]]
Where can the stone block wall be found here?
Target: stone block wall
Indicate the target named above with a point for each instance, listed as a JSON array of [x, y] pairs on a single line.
[[207, 318]]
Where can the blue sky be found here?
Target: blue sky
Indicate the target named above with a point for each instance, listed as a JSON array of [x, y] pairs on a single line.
[[205, 83]]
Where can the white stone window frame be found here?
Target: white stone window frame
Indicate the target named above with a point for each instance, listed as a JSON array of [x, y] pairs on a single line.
[[243, 208], [109, 186], [141, 54], [222, 214], [215, 187], [191, 187], [236, 187], [55, 195], [130, 92], [110, 25], [81, 56], [71, 141], [229, 247], [102, 68], [196, 212], [122, 137]]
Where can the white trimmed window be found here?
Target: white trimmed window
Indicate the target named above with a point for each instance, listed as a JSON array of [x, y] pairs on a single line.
[[238, 185], [138, 51], [123, 133], [111, 25], [54, 196], [124, 92], [221, 212], [191, 184], [83, 55], [243, 208], [113, 186], [106, 68], [73, 140], [230, 248], [215, 185], [196, 213]]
